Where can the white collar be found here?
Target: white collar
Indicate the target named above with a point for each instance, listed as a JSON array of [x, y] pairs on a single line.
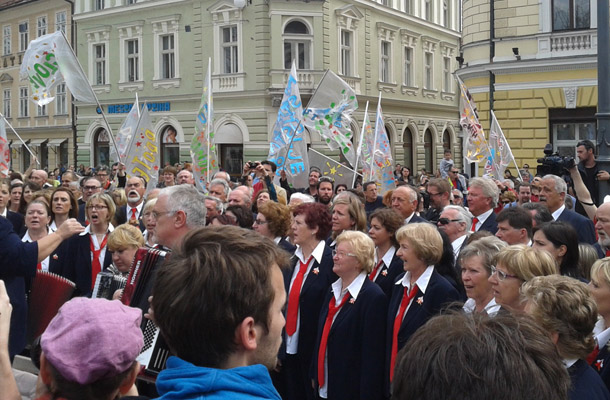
[[387, 257], [317, 253], [421, 282], [87, 230], [408, 219], [568, 363], [277, 240], [602, 336], [558, 212], [457, 244], [353, 288], [4, 212], [483, 217], [490, 308], [138, 207]]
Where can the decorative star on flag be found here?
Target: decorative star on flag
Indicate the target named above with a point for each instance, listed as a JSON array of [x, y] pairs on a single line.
[[138, 144]]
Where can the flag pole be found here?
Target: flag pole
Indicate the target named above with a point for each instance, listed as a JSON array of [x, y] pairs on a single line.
[[375, 141], [99, 106], [207, 128], [359, 151], [19, 137]]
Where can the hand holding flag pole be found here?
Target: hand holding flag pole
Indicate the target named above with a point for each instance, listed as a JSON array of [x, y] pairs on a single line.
[[19, 137]]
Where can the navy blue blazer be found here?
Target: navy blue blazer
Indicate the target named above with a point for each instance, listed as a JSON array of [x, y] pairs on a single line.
[[77, 267], [82, 216], [312, 296], [389, 274], [415, 219], [18, 222], [18, 260], [121, 217], [601, 364], [586, 384], [355, 346], [286, 245], [438, 294], [490, 224], [584, 226]]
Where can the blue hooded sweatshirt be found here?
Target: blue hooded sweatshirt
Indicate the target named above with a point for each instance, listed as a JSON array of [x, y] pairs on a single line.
[[182, 380]]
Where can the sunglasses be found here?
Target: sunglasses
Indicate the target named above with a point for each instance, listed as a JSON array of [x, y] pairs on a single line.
[[446, 221]]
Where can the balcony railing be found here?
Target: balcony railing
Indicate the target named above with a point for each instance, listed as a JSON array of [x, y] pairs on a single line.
[[573, 43]]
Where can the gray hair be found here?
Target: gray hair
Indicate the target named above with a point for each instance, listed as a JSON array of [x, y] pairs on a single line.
[[225, 185], [187, 199], [219, 206], [487, 248], [305, 198], [488, 187], [560, 185], [463, 214]]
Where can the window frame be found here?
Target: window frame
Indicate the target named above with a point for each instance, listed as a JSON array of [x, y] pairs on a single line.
[[295, 40], [385, 61], [61, 100], [24, 37], [428, 70], [447, 76], [6, 103], [571, 15], [346, 52], [41, 29], [24, 102], [408, 66], [165, 27], [168, 57], [59, 24], [7, 40], [232, 46], [99, 62]]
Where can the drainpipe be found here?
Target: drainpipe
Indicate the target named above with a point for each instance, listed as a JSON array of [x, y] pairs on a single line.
[[72, 106], [603, 95]]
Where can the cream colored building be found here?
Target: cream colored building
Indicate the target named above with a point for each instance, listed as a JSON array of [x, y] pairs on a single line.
[[542, 78], [160, 50], [47, 130]]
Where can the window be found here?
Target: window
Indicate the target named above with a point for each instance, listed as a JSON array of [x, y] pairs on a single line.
[[408, 78], [386, 57], [229, 50], [297, 45], [133, 60], [41, 111], [24, 102], [571, 14], [99, 4], [170, 147], [168, 62], [24, 38], [428, 10], [428, 153], [6, 103], [569, 126], [131, 1], [61, 106], [408, 7], [6, 40], [99, 53], [101, 149], [407, 148], [60, 21], [41, 26], [447, 75], [428, 70], [346, 53]]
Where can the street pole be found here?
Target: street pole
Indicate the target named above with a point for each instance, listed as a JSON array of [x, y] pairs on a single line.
[[603, 93]]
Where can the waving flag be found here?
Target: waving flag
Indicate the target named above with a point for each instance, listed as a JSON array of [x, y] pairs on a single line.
[[500, 154], [329, 113], [126, 132], [288, 148], [143, 154], [49, 61], [332, 169], [475, 147], [5, 151], [203, 149], [367, 144], [381, 164]]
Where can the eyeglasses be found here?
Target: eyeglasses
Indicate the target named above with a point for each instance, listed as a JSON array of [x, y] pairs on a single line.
[[501, 274], [454, 172], [341, 255], [446, 221], [434, 194], [91, 187], [259, 222], [101, 174], [156, 214], [97, 207]]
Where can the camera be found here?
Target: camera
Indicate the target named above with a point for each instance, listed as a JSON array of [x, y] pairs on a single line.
[[553, 163], [253, 165]]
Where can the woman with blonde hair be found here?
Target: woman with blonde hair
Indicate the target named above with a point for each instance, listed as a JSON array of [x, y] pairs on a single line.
[[347, 215], [600, 291], [149, 223], [419, 293], [124, 242], [516, 265], [350, 329]]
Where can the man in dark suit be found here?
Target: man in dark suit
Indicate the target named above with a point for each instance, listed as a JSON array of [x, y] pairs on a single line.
[[482, 199], [91, 186], [455, 221], [438, 192], [404, 201], [552, 194], [132, 212]]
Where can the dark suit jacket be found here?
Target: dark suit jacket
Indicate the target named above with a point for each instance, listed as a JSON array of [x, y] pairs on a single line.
[[583, 226], [82, 217], [17, 261], [439, 293], [355, 346], [121, 217], [18, 222], [286, 245], [77, 268], [586, 384], [490, 224], [388, 275], [417, 219], [601, 364]]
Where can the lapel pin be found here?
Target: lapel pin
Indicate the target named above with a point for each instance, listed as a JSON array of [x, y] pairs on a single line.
[[420, 300], [316, 270], [352, 300], [384, 272], [55, 257]]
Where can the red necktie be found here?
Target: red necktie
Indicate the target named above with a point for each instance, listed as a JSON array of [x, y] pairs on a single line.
[[133, 214], [332, 311], [374, 272], [96, 266], [293, 298], [591, 358], [475, 221], [39, 266], [607, 253], [406, 299]]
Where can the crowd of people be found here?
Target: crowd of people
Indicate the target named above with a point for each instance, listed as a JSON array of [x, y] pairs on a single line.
[[444, 287]]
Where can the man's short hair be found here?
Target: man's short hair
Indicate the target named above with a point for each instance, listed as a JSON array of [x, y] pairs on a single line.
[[217, 277], [588, 145], [367, 184], [488, 187], [560, 185], [187, 199], [327, 180], [271, 163], [474, 357], [447, 151], [225, 185], [442, 185], [517, 218], [542, 213], [463, 214]]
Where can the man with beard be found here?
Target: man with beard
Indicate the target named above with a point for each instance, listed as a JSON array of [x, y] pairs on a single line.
[[603, 230], [132, 211], [438, 192], [325, 190]]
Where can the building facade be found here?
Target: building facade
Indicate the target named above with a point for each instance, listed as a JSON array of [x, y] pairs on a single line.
[[160, 49], [534, 62], [47, 130]]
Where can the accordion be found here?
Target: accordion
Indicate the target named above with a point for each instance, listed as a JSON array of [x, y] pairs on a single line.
[[137, 289], [106, 283]]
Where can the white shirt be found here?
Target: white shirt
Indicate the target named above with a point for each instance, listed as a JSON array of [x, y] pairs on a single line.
[[353, 289], [421, 282], [138, 210], [96, 243], [409, 218], [558, 212], [457, 245], [387, 260], [602, 335], [3, 213], [292, 342], [482, 218], [491, 308], [27, 239]]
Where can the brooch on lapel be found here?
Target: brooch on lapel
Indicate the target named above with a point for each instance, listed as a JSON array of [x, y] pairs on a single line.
[[316, 270], [55, 257], [352, 300], [599, 364], [384, 272], [420, 300]]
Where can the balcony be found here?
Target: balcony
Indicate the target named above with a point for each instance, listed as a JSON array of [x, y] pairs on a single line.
[[308, 80], [562, 44]]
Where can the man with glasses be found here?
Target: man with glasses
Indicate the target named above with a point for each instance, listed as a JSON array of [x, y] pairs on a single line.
[[91, 186], [438, 193], [455, 221], [102, 173]]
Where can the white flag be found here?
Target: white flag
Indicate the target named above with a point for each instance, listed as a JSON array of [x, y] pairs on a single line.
[[126, 132], [143, 154], [49, 61], [5, 151]]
